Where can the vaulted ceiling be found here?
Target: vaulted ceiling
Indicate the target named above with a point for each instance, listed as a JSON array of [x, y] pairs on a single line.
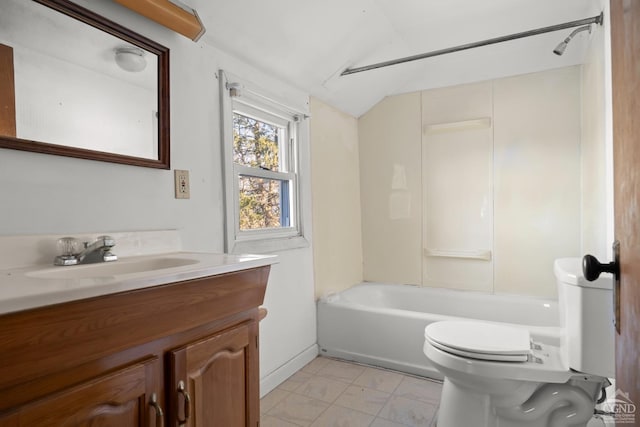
[[309, 42]]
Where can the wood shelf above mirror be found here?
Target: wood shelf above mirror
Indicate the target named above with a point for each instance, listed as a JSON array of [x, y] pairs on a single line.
[[172, 14]]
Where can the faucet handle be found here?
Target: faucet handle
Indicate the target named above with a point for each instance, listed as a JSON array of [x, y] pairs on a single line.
[[68, 246], [107, 241], [109, 256], [68, 250]]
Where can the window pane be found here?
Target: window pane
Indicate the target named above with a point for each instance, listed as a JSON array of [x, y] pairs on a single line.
[[264, 203], [257, 143]]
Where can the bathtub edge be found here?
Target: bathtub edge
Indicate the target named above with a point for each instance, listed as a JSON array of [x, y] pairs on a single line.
[[426, 371]]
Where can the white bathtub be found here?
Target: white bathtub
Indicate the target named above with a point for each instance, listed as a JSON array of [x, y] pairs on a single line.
[[383, 325]]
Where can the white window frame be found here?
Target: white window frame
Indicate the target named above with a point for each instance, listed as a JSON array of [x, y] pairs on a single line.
[[235, 98]]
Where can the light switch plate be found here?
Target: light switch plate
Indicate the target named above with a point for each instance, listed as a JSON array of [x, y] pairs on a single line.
[[182, 184]]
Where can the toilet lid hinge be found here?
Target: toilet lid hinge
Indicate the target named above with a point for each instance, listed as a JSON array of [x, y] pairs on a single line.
[[534, 359]]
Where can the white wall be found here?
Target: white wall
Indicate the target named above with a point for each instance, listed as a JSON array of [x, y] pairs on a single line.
[[335, 167], [43, 194], [523, 204], [597, 167]]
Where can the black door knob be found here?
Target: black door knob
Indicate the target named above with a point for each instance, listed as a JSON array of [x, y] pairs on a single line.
[[591, 268]]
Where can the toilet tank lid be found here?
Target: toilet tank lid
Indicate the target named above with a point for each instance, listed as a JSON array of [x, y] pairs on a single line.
[[569, 271]]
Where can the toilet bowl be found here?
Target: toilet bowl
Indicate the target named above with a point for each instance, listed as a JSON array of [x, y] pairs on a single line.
[[496, 375]]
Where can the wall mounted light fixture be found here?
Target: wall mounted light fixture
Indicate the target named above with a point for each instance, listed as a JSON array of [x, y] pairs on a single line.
[[130, 58]]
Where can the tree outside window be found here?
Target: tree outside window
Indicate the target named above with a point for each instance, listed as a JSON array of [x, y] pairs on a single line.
[[263, 201]]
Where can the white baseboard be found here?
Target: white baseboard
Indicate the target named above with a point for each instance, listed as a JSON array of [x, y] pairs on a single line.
[[279, 375]]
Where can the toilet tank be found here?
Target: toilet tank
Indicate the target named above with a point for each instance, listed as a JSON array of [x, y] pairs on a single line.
[[586, 314]]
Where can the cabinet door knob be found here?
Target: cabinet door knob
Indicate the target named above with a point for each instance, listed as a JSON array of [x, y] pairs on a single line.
[[187, 403], [153, 401]]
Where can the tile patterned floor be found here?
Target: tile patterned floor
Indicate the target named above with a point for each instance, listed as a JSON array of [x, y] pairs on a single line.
[[333, 393]]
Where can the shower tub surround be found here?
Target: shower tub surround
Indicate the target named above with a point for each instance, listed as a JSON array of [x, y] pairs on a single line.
[[383, 325]]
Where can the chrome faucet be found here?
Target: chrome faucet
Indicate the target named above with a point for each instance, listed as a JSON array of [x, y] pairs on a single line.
[[98, 251]]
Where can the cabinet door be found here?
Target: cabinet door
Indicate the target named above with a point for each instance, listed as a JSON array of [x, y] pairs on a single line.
[[119, 399], [215, 381]]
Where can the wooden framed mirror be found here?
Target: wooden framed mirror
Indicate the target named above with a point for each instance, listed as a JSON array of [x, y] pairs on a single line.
[[73, 83]]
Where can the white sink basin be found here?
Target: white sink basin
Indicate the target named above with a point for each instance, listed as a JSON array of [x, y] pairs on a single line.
[[114, 268], [35, 286]]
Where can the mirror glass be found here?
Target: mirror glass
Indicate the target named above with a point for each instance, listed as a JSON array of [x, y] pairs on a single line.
[[82, 86]]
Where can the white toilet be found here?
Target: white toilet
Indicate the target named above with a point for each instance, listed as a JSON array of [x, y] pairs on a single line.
[[496, 375]]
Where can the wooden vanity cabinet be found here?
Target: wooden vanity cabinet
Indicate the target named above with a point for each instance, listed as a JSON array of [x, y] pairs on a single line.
[[214, 371], [182, 354], [120, 398]]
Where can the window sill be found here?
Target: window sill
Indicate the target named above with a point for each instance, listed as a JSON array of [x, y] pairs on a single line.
[[268, 245]]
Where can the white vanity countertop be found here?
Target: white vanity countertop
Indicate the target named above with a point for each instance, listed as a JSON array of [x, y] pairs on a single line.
[[38, 286]]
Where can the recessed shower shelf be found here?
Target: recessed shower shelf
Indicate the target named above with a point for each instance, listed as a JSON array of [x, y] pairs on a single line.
[[480, 254], [481, 123]]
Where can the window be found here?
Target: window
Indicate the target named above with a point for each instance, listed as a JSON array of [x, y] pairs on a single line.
[[261, 172]]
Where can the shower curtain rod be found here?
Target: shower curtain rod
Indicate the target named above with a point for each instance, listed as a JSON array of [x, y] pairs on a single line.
[[594, 20]]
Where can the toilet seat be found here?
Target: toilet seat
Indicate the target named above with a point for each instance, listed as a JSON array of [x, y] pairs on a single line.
[[478, 340]]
